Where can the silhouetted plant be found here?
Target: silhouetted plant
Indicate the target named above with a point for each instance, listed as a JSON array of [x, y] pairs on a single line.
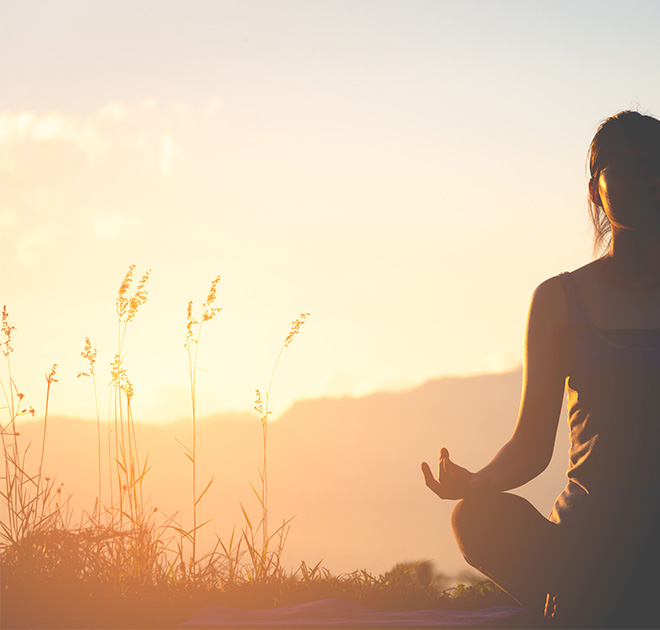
[[192, 346], [266, 559], [27, 499], [89, 353]]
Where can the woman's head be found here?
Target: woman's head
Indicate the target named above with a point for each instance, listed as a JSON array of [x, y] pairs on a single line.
[[612, 142]]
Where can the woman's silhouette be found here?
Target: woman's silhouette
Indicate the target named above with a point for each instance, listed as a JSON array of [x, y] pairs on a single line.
[[596, 332]]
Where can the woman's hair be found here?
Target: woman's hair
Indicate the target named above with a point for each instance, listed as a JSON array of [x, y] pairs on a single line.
[[612, 135]]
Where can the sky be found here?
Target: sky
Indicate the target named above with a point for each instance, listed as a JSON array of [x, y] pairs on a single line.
[[406, 172]]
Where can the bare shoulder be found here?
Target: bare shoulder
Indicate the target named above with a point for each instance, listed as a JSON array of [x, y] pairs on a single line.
[[549, 306], [589, 273]]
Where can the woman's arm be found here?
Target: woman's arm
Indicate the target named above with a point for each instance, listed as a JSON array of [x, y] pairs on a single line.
[[529, 450]]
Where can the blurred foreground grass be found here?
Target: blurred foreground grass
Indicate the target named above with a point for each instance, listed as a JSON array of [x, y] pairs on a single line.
[[53, 581]]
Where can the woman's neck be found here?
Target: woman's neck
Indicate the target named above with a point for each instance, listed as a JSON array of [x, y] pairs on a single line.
[[634, 259]]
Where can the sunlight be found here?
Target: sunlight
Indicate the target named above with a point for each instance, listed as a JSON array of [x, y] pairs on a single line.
[[408, 173]]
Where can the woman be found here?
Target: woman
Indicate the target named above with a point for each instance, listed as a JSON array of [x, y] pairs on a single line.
[[596, 332]]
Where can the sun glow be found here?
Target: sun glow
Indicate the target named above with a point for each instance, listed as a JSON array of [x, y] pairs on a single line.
[[181, 185]]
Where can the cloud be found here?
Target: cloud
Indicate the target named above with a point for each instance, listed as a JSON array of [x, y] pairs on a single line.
[[116, 111], [147, 103], [28, 127], [104, 133], [66, 176], [15, 125]]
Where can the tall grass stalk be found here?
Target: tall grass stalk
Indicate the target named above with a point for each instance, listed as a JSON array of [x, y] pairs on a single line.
[[132, 540], [25, 499], [262, 407], [89, 353], [128, 473], [50, 379], [192, 347]]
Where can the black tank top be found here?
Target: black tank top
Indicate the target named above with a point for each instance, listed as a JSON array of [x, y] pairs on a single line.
[[613, 389]]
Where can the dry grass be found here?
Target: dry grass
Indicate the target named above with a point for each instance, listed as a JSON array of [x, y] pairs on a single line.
[[122, 563]]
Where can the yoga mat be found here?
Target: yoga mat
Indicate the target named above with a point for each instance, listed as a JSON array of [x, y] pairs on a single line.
[[338, 613]]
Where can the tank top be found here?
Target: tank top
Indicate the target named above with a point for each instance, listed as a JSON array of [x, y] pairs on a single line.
[[613, 387]]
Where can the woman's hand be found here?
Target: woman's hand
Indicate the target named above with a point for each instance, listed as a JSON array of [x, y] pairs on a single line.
[[453, 482]]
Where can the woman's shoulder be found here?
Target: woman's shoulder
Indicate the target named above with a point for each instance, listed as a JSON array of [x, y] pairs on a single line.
[[549, 305], [550, 301], [590, 272], [552, 290]]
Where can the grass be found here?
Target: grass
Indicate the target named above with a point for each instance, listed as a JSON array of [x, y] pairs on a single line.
[[122, 563]]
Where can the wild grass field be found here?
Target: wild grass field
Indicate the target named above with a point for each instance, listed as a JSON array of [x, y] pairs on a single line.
[[123, 563]]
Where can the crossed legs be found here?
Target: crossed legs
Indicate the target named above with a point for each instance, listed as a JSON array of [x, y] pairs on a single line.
[[508, 540], [602, 574]]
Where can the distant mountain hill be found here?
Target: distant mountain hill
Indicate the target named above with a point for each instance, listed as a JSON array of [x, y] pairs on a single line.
[[347, 469]]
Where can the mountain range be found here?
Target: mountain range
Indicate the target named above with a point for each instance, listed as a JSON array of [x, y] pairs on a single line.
[[346, 470]]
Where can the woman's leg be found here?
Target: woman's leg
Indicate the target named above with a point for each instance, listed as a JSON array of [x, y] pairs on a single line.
[[511, 542], [604, 574]]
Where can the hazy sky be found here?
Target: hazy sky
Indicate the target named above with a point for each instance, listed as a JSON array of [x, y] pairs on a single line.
[[407, 172]]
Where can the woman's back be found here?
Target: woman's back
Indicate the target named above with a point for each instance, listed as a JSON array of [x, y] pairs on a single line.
[[614, 303], [614, 411]]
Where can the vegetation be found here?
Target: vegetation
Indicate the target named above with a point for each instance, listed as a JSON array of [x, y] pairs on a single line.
[[124, 564]]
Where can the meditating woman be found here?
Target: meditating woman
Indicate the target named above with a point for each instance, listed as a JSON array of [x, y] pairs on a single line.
[[596, 332]]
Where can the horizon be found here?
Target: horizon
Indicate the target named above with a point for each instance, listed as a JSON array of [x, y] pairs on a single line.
[[311, 478], [250, 415]]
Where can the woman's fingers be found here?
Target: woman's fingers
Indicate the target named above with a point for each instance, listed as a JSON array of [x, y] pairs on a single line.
[[443, 488], [431, 482], [452, 481], [438, 487], [442, 463], [428, 475]]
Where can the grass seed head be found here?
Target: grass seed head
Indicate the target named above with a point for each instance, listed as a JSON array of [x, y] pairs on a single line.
[[127, 386], [295, 328], [190, 323], [209, 311], [88, 353], [259, 404], [127, 307], [116, 372], [50, 378], [140, 296], [6, 331], [119, 378], [122, 300]]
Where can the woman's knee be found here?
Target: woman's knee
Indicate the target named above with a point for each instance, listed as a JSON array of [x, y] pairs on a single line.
[[480, 521], [470, 522], [500, 520], [462, 516], [474, 512]]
